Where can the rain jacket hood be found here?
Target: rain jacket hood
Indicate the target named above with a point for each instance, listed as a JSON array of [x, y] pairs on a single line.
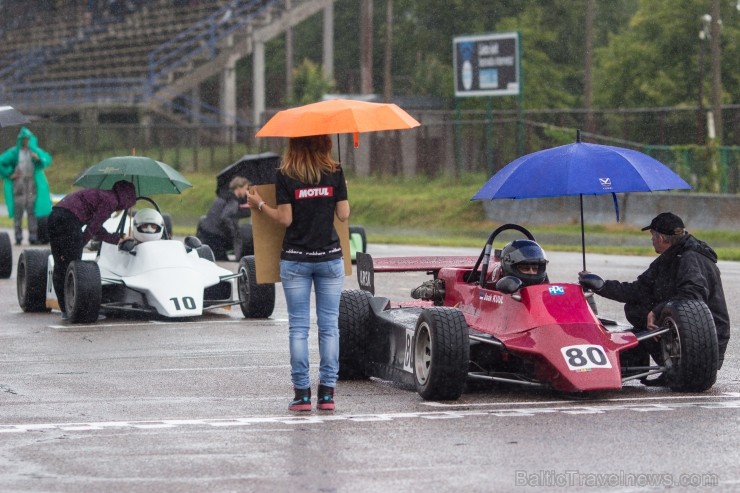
[[26, 134], [698, 246]]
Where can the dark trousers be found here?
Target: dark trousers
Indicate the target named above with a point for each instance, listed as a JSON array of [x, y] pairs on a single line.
[[636, 315], [66, 242]]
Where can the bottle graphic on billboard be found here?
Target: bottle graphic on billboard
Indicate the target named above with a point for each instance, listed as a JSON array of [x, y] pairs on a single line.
[[466, 56]]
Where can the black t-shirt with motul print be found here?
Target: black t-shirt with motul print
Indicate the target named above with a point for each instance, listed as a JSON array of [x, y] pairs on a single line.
[[311, 236]]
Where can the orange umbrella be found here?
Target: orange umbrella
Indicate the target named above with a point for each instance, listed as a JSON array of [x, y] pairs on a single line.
[[337, 116]]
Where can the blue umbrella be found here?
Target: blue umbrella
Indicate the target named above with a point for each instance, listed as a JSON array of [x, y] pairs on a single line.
[[580, 169]]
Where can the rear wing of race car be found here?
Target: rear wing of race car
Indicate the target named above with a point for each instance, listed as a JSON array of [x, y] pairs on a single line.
[[367, 266]]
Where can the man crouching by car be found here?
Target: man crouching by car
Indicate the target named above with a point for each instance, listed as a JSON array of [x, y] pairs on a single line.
[[686, 268]]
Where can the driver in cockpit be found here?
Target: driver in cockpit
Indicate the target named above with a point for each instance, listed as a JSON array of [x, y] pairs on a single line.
[[526, 260]]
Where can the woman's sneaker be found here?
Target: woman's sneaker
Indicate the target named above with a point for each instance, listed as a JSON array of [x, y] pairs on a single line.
[[326, 398], [301, 401]]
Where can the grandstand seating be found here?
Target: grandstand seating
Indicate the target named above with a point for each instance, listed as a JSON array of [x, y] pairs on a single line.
[[113, 47], [57, 56]]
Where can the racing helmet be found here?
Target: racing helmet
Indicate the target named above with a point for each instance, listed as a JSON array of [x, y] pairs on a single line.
[[148, 225], [526, 260]]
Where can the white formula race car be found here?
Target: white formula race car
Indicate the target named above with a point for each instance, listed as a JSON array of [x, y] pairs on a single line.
[[164, 278]]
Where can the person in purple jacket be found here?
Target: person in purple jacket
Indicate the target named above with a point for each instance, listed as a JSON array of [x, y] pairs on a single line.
[[88, 208]]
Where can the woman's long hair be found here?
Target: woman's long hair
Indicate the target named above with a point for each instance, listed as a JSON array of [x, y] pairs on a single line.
[[306, 158]]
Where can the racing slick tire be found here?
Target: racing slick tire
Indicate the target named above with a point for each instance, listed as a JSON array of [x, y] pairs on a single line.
[[441, 353], [244, 242], [690, 350], [256, 300], [6, 256], [31, 279], [354, 326], [82, 292]]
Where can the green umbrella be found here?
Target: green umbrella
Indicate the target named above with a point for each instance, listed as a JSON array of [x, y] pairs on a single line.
[[150, 177]]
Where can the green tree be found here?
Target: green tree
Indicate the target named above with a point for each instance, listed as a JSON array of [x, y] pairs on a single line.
[[309, 84], [654, 61]]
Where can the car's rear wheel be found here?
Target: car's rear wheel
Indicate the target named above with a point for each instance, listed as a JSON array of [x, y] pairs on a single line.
[[690, 349], [441, 353], [354, 326], [6, 256], [256, 300], [31, 279], [82, 291]]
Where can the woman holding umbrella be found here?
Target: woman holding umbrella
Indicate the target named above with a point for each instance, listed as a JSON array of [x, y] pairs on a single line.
[[90, 208], [310, 191]]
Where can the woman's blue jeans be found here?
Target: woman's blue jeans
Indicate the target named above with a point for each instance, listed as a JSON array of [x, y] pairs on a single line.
[[328, 278]]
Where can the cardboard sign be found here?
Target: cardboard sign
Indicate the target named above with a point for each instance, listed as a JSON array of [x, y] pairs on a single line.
[[268, 240]]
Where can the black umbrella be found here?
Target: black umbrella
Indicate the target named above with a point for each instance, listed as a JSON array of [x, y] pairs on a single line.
[[10, 116]]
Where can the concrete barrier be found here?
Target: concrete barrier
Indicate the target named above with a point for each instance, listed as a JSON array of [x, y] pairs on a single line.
[[698, 211]]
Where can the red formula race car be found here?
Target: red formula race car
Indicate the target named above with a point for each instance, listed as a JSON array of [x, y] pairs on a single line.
[[473, 323]]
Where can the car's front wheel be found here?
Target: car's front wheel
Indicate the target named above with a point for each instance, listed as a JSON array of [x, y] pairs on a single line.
[[82, 291], [690, 350], [354, 326], [256, 300], [441, 353]]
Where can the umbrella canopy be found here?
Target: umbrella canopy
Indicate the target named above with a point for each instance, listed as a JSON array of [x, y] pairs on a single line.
[[11, 116], [580, 169], [337, 116], [150, 177]]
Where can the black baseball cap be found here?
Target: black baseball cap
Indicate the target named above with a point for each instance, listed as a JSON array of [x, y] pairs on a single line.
[[666, 223]]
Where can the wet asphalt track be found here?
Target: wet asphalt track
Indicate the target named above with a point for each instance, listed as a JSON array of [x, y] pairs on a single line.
[[142, 406]]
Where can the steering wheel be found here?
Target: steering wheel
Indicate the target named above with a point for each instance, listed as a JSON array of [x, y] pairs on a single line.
[[485, 256]]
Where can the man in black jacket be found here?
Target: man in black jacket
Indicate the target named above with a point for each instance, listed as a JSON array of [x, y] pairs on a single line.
[[219, 229], [686, 268]]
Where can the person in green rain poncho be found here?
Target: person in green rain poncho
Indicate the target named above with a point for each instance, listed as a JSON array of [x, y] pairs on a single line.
[[25, 185]]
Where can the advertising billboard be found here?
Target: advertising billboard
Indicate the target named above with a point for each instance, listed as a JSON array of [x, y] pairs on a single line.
[[487, 65]]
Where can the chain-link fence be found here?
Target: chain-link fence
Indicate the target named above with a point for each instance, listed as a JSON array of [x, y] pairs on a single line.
[[445, 143]]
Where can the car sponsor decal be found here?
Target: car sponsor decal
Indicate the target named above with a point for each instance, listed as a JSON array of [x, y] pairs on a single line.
[[314, 192], [585, 357], [556, 290], [484, 295], [408, 359]]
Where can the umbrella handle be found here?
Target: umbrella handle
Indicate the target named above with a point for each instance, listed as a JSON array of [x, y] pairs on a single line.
[[583, 235]]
